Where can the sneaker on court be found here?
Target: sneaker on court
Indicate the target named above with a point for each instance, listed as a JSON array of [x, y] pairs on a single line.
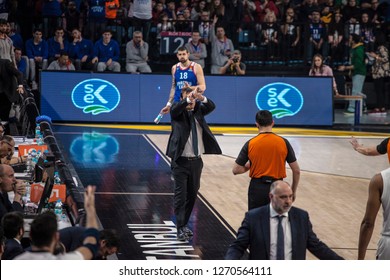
[[349, 112]]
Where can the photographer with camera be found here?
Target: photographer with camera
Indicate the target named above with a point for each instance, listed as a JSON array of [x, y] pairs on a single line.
[[233, 66]]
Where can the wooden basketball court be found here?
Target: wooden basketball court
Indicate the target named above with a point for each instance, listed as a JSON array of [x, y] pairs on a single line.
[[333, 187]]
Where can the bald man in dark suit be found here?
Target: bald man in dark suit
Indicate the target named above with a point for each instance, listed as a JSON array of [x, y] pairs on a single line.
[[260, 229]]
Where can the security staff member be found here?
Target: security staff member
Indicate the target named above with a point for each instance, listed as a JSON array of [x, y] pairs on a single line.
[[265, 157]]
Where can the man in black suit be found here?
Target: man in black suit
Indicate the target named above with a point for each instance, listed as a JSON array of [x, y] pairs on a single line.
[[13, 226], [278, 231], [1, 242], [9, 183], [188, 140], [10, 88]]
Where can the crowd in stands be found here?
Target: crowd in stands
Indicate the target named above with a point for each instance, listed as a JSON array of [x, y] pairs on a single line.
[[126, 35], [98, 34]]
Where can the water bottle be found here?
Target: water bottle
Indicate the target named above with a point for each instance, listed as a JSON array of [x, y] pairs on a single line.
[[26, 197], [57, 179], [37, 130], [58, 210], [40, 141], [158, 118], [34, 156], [29, 163]]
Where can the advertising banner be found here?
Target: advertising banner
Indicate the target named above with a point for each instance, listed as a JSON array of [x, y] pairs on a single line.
[[109, 97]]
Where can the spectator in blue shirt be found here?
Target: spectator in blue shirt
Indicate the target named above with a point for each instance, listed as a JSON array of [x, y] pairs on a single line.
[[17, 40], [106, 53], [51, 13], [57, 44], [37, 53], [81, 51], [317, 42], [21, 63], [96, 18]]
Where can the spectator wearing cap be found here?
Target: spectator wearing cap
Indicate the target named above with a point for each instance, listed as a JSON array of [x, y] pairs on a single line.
[[62, 63], [234, 66]]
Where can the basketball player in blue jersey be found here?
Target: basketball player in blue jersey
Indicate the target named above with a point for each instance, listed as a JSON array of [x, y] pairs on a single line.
[[186, 73]]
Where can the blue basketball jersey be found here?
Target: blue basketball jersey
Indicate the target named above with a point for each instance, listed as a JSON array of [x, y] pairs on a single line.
[[184, 75]]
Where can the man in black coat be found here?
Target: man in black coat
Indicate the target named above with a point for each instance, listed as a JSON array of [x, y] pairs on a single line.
[[9, 183], [278, 231], [13, 226], [190, 137], [11, 85]]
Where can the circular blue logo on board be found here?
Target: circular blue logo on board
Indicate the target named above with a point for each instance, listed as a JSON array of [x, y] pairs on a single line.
[[281, 99], [96, 96]]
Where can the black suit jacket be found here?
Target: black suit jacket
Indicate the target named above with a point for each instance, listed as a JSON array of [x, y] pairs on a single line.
[[181, 128], [6, 205], [8, 83], [255, 234], [12, 249]]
